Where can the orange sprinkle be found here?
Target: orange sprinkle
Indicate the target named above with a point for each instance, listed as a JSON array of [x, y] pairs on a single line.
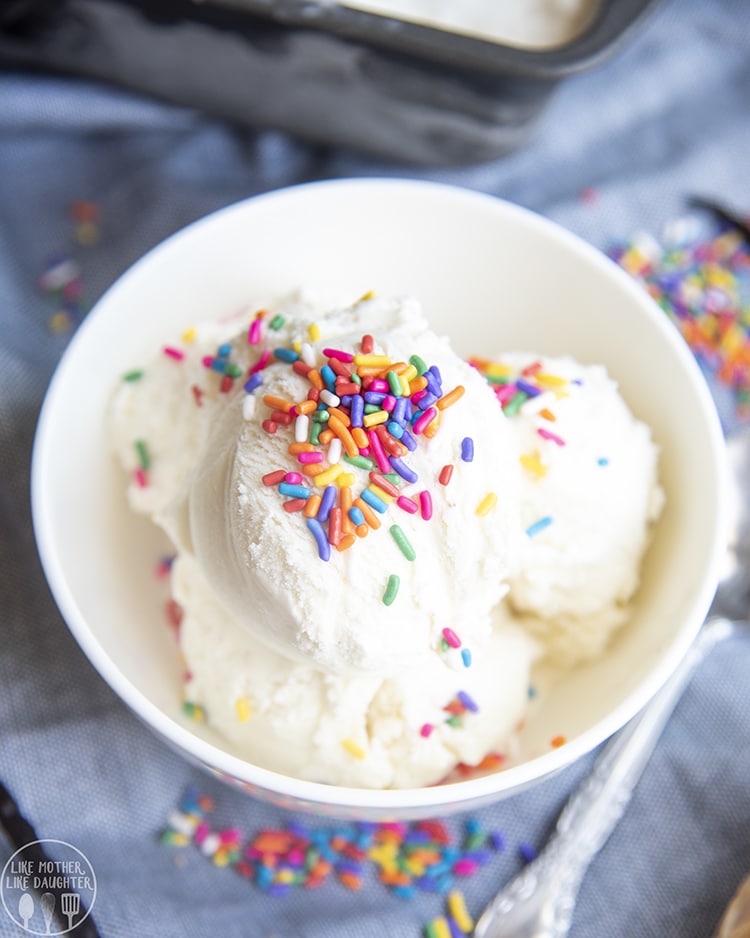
[[345, 501], [277, 403], [312, 469], [346, 542], [557, 741], [311, 508], [347, 440], [305, 407], [360, 437], [418, 384], [432, 427], [451, 397], [340, 415], [361, 530], [547, 414], [316, 379], [326, 436], [296, 448], [334, 527], [350, 880], [370, 517]]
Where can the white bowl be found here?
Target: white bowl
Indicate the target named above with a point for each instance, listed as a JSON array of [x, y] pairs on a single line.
[[492, 276]]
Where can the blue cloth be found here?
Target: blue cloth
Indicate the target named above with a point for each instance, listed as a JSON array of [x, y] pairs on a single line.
[[667, 117]]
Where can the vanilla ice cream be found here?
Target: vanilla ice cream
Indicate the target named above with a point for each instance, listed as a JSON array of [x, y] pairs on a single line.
[[589, 496]]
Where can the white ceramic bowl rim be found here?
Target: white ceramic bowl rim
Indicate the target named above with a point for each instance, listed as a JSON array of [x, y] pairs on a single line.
[[302, 792]]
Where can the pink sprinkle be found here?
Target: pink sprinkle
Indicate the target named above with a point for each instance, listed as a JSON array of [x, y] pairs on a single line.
[[451, 638], [207, 361], [141, 479], [364, 451], [408, 504], [424, 420], [293, 478], [425, 505], [465, 867], [306, 458], [378, 384], [338, 354], [201, 832], [504, 392], [378, 452], [253, 335], [389, 402], [426, 729], [418, 395], [175, 353], [262, 362], [547, 435]]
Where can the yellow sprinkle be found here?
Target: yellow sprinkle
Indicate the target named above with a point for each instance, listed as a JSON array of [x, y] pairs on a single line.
[[378, 417], [381, 493], [366, 296], [189, 334], [439, 928], [325, 478], [553, 381], [297, 346], [354, 749], [284, 876], [243, 709], [314, 332], [487, 504], [533, 463], [457, 908], [404, 381], [496, 370], [372, 361], [343, 480], [60, 322], [410, 373]]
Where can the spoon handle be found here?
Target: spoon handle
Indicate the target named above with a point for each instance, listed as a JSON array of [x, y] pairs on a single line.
[[541, 900]]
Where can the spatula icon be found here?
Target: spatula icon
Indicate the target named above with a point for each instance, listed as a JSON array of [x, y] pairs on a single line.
[[70, 903]]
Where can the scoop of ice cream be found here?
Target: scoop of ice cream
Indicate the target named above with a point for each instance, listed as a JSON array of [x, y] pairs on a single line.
[[374, 731], [589, 494], [428, 557], [283, 575]]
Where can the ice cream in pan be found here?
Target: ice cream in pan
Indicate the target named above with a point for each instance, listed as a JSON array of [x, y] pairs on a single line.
[[350, 502]]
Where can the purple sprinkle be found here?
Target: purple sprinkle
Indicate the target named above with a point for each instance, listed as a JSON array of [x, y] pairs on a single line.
[[327, 502], [374, 397], [530, 390], [406, 472], [427, 400], [527, 852], [467, 449], [357, 410], [498, 841], [253, 382], [467, 701], [455, 931], [408, 440]]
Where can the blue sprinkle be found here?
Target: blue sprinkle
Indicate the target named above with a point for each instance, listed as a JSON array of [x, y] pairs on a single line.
[[530, 390], [356, 515], [408, 440], [467, 449], [318, 532], [294, 491], [253, 382], [538, 526], [224, 350], [374, 501], [603, 461], [286, 355], [467, 701], [329, 378], [395, 429], [327, 502], [357, 410], [528, 853], [217, 364], [465, 653], [404, 892], [406, 472]]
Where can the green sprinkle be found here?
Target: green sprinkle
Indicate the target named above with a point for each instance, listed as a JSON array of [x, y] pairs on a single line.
[[454, 720], [233, 370], [419, 364], [193, 710], [362, 461], [391, 590], [372, 408], [393, 477], [144, 460], [277, 322], [133, 375], [320, 416], [497, 379], [394, 383], [356, 379], [315, 430], [514, 404], [403, 542]]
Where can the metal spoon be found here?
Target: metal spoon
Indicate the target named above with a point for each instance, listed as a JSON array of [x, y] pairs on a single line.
[[539, 902]]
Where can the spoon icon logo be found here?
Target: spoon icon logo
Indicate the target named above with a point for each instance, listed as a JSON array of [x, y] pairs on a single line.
[[48, 887]]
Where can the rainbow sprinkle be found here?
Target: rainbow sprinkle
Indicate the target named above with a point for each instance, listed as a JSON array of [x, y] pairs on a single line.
[[363, 410], [406, 858], [704, 287]]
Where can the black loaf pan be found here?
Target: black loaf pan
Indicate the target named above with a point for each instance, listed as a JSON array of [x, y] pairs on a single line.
[[339, 77]]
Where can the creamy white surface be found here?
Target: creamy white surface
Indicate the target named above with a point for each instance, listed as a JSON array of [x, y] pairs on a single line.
[[531, 23], [602, 492], [299, 717]]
